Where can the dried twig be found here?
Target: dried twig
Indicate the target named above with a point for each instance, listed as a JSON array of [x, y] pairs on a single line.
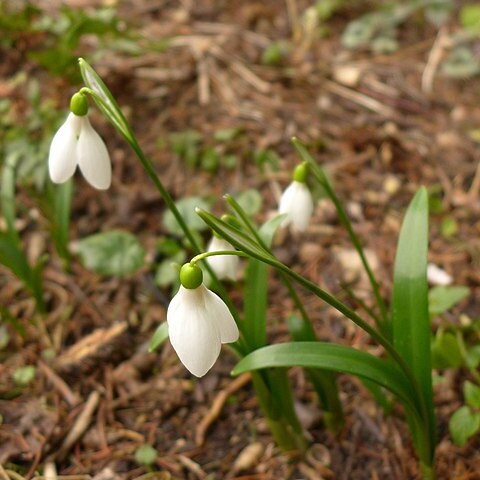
[[80, 426], [59, 384], [217, 406], [434, 58], [360, 99]]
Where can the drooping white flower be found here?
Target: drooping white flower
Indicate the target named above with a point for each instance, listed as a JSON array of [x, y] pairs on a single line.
[[224, 266], [198, 323], [438, 276], [77, 143], [297, 203]]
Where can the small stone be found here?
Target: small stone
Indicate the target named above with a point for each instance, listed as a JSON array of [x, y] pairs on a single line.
[[248, 457]]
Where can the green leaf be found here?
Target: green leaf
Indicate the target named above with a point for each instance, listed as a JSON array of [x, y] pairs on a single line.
[[471, 393], [411, 322], [167, 273], [105, 100], [24, 375], [111, 253], [463, 424], [269, 228], [160, 335], [145, 455], [186, 207], [227, 134], [473, 357], [331, 357], [12, 257], [8, 197], [446, 352], [470, 17], [250, 201], [461, 62], [438, 11], [237, 238], [443, 298]]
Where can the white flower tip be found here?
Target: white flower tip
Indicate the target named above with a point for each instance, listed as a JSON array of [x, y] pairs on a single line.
[[437, 276], [297, 203], [224, 266]]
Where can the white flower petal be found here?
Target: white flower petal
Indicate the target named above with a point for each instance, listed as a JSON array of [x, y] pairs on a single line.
[[193, 334], [62, 158], [220, 314], [93, 158], [224, 266], [438, 276], [297, 203]]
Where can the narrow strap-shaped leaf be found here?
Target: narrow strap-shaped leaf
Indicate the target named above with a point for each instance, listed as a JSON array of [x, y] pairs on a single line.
[[12, 257], [235, 236], [411, 323], [331, 357], [104, 99], [8, 198], [159, 337]]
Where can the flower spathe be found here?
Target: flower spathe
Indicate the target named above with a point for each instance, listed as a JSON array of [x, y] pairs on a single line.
[[297, 203], [198, 323], [77, 143], [224, 266]]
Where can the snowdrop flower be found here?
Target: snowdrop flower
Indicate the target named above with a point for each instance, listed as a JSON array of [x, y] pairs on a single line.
[[224, 266], [437, 276], [198, 322], [297, 201], [77, 143]]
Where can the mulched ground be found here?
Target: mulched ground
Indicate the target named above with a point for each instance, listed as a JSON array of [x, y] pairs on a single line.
[[379, 134]]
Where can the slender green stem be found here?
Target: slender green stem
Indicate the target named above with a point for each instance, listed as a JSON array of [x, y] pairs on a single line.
[[324, 382], [286, 435], [204, 255], [362, 304], [323, 180], [147, 165]]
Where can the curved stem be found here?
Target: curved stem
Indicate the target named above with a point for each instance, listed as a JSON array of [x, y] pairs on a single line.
[[215, 253]]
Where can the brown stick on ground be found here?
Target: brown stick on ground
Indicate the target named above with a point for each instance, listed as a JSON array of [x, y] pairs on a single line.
[[217, 406], [80, 426], [59, 384]]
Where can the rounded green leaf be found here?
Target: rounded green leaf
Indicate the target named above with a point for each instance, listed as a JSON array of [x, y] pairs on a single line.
[[186, 207], [111, 253], [463, 424]]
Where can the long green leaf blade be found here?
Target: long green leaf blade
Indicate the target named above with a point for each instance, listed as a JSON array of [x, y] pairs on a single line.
[[8, 198], [331, 357], [104, 99], [411, 323]]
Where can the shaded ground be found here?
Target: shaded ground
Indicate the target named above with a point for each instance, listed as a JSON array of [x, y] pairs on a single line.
[[380, 136]]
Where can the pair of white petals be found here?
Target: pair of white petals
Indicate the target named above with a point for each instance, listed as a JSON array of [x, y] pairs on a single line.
[[297, 203], [77, 143], [198, 323]]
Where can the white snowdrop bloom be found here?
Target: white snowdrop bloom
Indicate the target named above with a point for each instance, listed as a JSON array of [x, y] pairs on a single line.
[[297, 203], [198, 322], [77, 143], [224, 266], [437, 276]]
